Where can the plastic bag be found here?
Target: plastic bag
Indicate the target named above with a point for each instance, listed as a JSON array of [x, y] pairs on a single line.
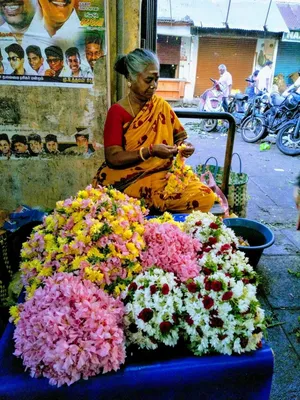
[[208, 178]]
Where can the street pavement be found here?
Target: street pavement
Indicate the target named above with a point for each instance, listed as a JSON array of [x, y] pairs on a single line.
[[270, 188]]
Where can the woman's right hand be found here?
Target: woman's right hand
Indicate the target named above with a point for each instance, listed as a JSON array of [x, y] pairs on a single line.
[[164, 151]]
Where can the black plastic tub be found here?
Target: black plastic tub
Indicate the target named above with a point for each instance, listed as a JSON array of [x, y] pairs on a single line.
[[258, 235]]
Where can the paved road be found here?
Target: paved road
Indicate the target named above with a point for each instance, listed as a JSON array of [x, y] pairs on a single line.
[[271, 177]]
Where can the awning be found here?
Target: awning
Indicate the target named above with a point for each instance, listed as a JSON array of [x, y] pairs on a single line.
[[250, 15], [203, 13]]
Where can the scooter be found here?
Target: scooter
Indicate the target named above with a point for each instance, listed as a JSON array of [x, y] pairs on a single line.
[[211, 101]]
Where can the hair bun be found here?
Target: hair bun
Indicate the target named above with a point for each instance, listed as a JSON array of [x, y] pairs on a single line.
[[121, 66]]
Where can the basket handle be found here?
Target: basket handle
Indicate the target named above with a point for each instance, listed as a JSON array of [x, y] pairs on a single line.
[[216, 166], [240, 160]]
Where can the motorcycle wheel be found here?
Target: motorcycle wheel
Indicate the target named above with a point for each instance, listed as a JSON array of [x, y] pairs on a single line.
[[209, 124], [286, 142], [253, 129]]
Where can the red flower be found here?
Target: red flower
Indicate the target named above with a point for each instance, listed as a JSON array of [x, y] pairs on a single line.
[[207, 249], [175, 318], [227, 295], [192, 287], [165, 289], [208, 285], [146, 314], [198, 223], [216, 322], [222, 337], [132, 286], [216, 286], [213, 225], [206, 271], [259, 345], [189, 320], [153, 289], [245, 281], [212, 240], [165, 326], [225, 247], [244, 342], [208, 302]]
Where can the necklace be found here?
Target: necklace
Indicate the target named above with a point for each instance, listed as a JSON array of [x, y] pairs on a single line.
[[129, 102]]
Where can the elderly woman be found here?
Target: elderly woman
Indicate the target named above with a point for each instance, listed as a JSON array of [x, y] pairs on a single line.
[[141, 138]]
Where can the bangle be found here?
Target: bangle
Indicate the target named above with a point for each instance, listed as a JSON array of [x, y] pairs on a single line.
[[141, 153], [151, 150]]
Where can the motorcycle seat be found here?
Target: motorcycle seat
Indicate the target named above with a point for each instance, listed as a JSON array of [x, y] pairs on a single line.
[[241, 97]]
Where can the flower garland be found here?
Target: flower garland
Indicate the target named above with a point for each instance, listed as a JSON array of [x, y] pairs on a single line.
[[153, 302], [97, 235], [70, 329], [179, 176], [222, 315]]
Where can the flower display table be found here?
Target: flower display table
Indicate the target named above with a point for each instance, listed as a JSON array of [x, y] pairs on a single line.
[[169, 374]]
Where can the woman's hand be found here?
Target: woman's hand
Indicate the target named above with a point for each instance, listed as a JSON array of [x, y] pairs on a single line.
[[164, 151], [188, 150]]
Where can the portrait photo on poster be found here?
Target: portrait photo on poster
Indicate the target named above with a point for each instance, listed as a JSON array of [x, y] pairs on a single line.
[[43, 42]]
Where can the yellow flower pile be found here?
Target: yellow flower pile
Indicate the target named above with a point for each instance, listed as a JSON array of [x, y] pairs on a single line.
[[97, 235]]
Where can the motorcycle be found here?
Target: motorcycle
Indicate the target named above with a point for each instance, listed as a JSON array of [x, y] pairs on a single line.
[[277, 112], [253, 124], [239, 106], [288, 138], [211, 101]]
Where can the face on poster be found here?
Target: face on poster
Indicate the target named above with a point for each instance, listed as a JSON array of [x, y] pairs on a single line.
[[46, 42]]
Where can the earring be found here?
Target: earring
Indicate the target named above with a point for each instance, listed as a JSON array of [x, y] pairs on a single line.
[[129, 84]]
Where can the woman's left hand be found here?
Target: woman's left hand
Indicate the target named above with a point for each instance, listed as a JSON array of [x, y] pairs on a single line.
[[188, 150]]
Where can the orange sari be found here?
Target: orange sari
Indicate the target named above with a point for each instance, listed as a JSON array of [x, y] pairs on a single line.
[[156, 123]]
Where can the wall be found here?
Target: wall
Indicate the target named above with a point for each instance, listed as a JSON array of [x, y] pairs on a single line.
[[42, 109], [43, 182], [168, 49]]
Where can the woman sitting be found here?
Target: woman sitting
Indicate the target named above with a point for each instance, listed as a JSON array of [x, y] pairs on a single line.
[[141, 138]]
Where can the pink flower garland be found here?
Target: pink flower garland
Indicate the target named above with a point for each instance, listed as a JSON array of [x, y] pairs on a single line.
[[170, 249], [70, 329]]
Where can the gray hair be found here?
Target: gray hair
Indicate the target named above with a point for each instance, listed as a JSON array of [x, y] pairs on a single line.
[[222, 66], [136, 62]]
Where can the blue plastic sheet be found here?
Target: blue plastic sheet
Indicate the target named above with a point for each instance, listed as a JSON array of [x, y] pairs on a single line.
[[168, 374]]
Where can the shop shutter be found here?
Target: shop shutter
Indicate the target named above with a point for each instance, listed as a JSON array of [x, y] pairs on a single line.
[[288, 60], [236, 53]]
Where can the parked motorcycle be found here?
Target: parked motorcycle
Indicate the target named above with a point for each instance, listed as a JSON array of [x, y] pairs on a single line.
[[278, 111], [238, 107], [211, 101], [253, 124], [288, 138]]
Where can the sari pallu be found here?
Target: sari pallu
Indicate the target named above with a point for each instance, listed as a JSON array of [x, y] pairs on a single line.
[[156, 123]]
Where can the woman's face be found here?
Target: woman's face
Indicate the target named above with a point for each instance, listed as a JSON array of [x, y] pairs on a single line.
[[146, 82]]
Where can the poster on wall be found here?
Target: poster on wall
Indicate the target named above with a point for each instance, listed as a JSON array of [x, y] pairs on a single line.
[[25, 142], [51, 42], [264, 52]]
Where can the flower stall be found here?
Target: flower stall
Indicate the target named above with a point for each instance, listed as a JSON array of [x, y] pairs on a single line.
[[119, 306]]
